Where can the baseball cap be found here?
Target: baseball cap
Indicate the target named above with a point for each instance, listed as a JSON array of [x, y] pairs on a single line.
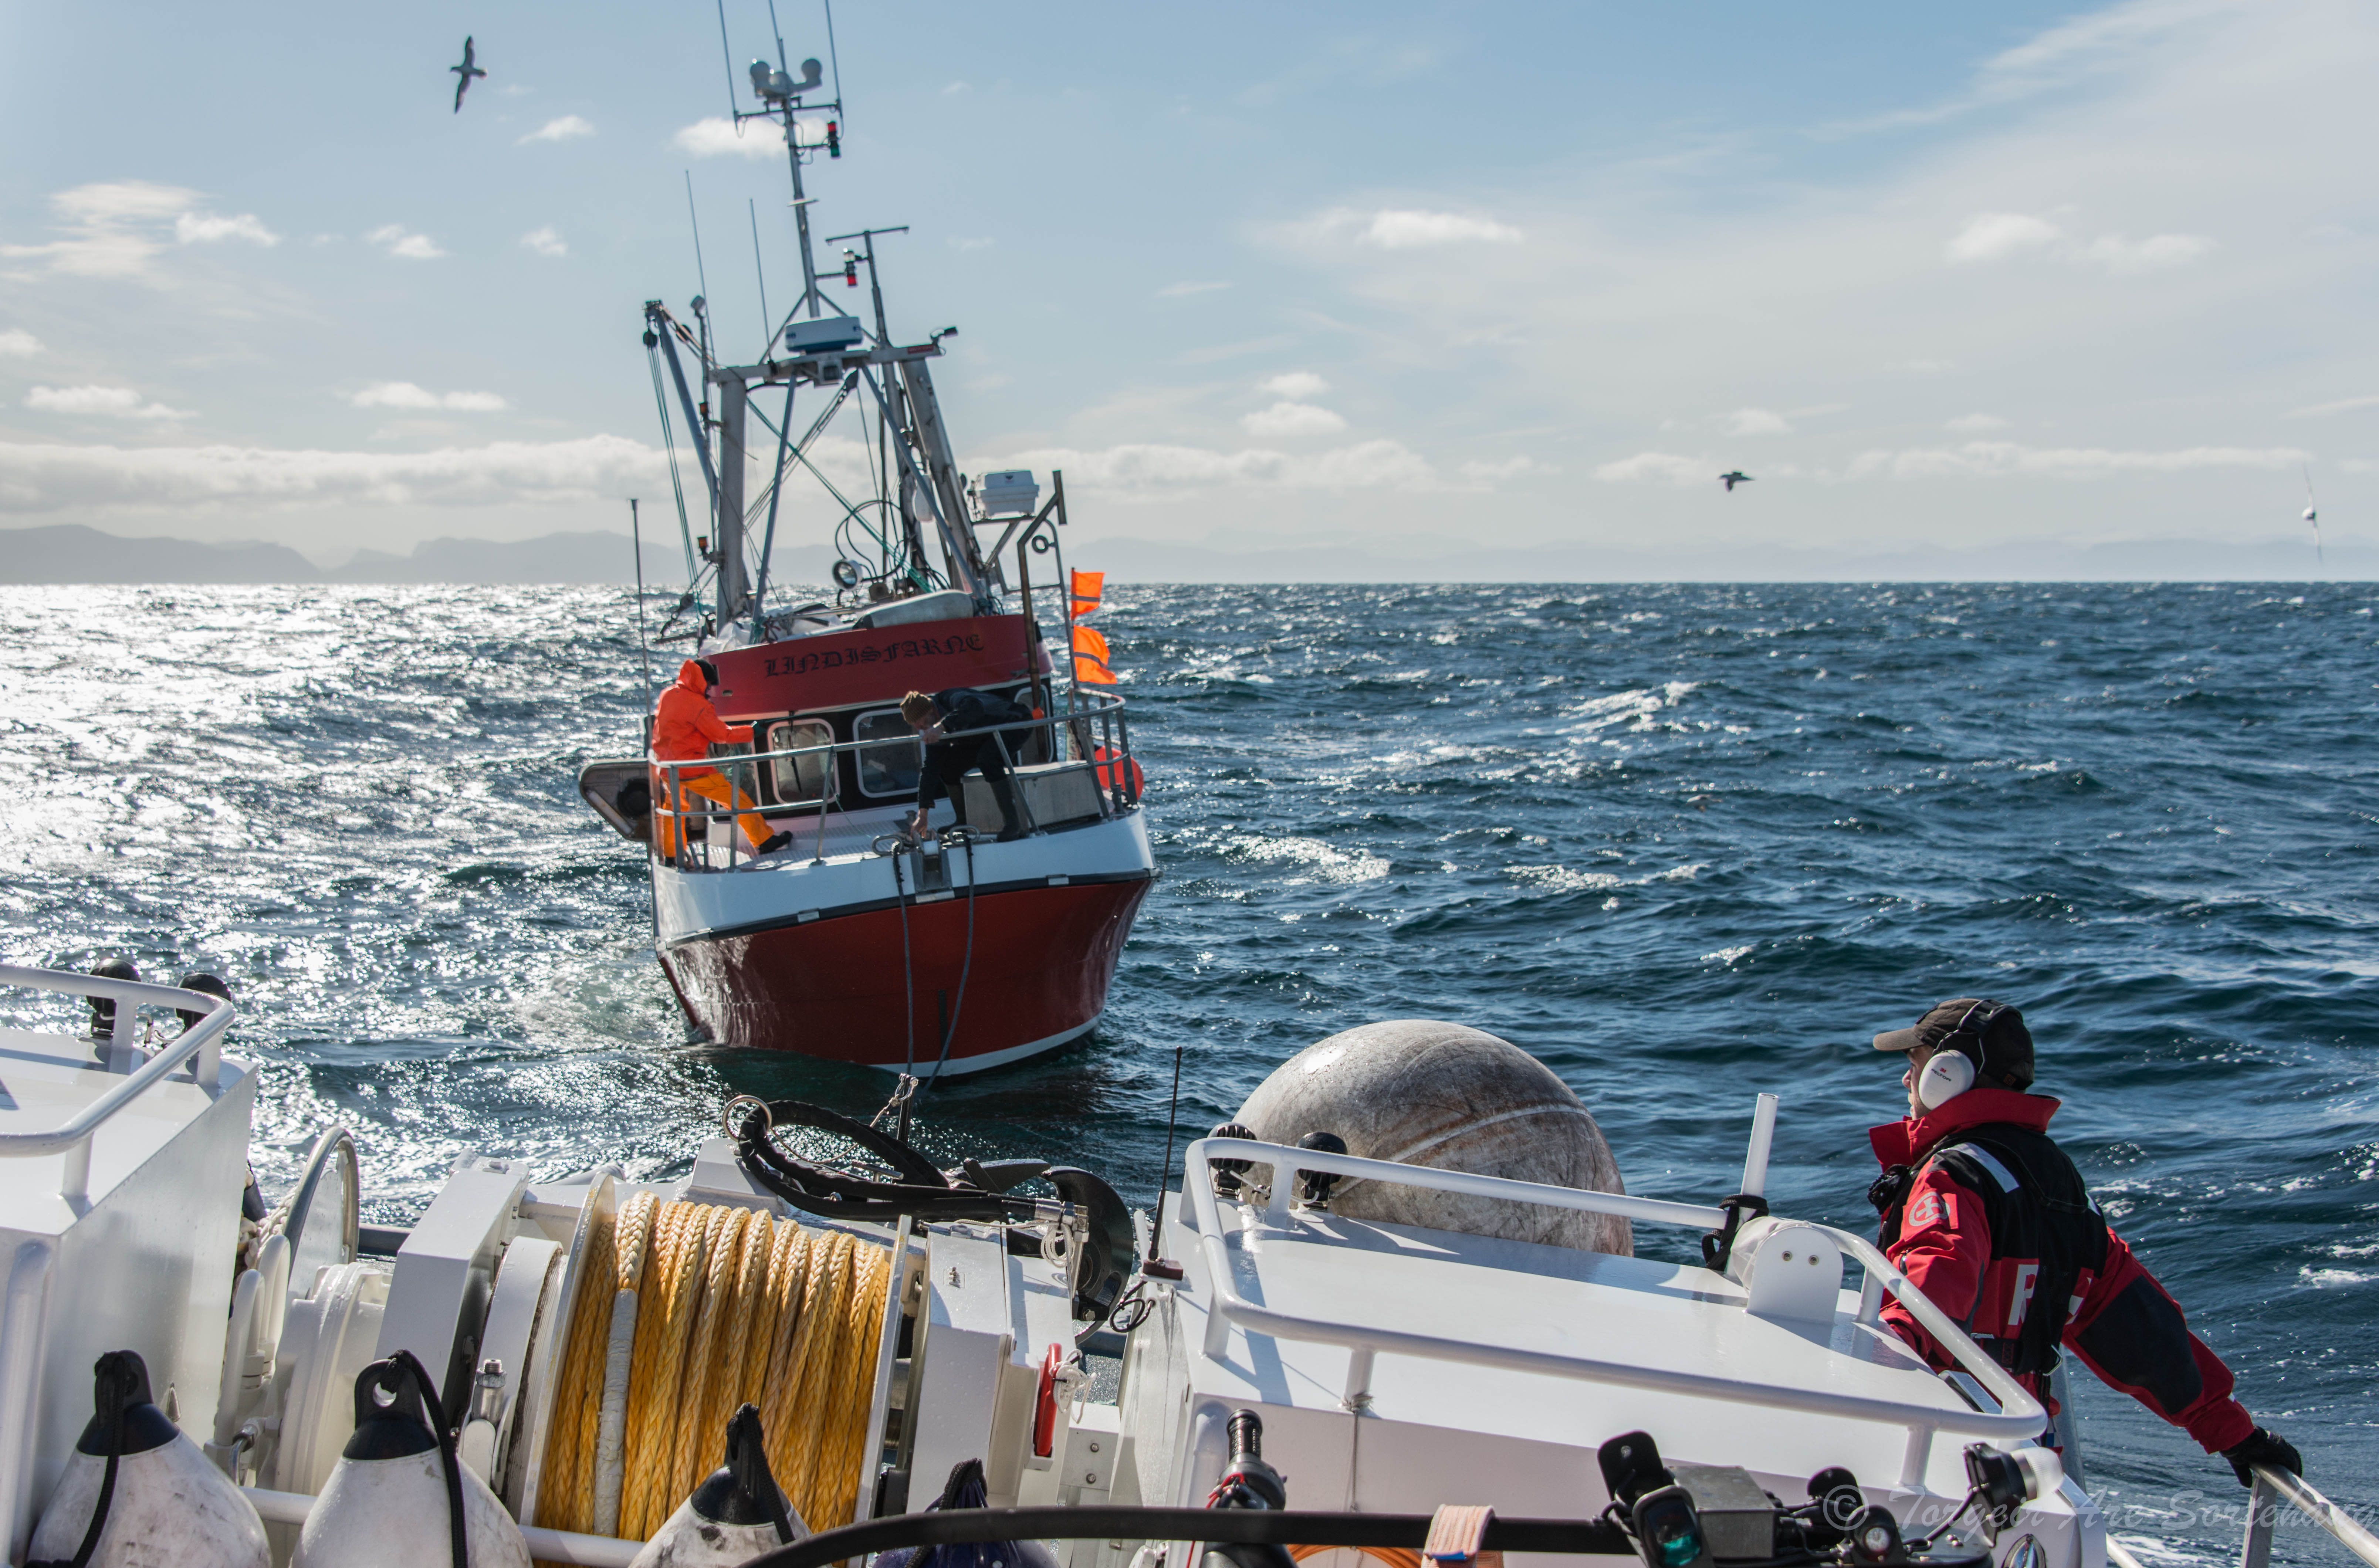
[[1991, 1033]]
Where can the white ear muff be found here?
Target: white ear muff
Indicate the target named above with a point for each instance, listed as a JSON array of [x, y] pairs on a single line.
[[1945, 1076]]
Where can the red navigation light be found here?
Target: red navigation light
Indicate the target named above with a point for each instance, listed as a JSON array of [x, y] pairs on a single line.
[[851, 267], [833, 139]]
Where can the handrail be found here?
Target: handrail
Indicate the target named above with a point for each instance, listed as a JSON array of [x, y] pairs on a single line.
[[1109, 707], [200, 1044], [2022, 1417], [2272, 1483]]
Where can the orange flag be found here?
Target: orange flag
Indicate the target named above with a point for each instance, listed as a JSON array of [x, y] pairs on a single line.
[[1088, 588], [1091, 666]]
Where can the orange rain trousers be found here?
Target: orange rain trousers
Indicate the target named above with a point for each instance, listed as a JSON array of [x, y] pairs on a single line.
[[713, 787]]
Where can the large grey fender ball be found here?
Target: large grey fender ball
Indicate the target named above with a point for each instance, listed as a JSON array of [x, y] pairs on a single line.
[[1454, 1098]]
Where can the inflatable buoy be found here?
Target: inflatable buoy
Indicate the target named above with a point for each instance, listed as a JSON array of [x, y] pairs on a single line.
[[1112, 773], [966, 1489], [138, 1494], [394, 1498], [1427, 1093], [732, 1517]]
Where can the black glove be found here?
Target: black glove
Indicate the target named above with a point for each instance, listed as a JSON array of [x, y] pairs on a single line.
[[2265, 1447], [1888, 1191]]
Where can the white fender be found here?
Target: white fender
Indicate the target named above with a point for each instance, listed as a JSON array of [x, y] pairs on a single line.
[[392, 1513], [171, 1507], [689, 1540], [733, 1515], [385, 1504]]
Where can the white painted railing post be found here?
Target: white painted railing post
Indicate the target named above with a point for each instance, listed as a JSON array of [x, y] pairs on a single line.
[[73, 1181], [2263, 1511], [1763, 1139]]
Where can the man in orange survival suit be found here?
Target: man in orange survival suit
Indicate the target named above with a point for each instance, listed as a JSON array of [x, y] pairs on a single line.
[[684, 728], [1989, 1217]]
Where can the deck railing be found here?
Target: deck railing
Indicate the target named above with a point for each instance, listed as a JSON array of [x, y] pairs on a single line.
[[200, 1044], [2017, 1416], [1098, 733]]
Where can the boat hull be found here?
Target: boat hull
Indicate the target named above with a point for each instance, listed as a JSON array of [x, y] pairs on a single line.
[[832, 987]]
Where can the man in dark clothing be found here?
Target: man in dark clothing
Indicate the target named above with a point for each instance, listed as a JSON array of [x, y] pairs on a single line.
[[1987, 1216], [953, 712]]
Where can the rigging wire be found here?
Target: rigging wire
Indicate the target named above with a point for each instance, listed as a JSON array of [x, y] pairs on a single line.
[[677, 481]]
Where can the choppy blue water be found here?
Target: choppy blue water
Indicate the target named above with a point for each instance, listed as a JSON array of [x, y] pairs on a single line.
[[1683, 842]]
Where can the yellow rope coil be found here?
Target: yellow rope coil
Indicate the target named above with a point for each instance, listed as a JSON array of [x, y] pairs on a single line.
[[697, 1450], [581, 1350], [731, 1307]]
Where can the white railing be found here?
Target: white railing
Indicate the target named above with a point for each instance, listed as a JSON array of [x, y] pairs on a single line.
[[2019, 1416], [1112, 737], [200, 1044]]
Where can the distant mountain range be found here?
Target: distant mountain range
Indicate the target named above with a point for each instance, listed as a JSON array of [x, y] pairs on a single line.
[[71, 553]]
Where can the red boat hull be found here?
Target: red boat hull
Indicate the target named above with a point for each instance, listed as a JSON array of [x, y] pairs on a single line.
[[831, 988]]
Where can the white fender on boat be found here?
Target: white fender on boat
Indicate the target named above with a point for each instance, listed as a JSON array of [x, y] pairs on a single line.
[[1425, 1093], [385, 1504], [169, 1506], [733, 1516]]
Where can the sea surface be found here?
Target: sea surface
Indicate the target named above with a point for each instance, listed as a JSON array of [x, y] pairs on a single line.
[[1683, 843]]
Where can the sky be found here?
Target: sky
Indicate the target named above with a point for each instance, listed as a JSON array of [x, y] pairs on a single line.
[[1388, 279]]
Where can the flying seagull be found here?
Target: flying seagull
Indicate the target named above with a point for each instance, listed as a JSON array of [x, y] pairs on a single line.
[[1730, 480], [463, 73]]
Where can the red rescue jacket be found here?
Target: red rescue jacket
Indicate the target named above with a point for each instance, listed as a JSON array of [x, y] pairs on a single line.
[[684, 724], [2000, 1233]]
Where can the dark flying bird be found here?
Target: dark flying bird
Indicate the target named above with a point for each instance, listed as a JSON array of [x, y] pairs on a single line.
[[464, 74], [1730, 480]]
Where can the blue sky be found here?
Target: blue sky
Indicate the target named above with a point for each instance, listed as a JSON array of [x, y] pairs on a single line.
[[1389, 278]]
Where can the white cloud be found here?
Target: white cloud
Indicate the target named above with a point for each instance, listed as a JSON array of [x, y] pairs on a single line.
[[547, 241], [1487, 473], [110, 403], [201, 229], [562, 129], [2343, 405], [112, 228], [50, 478], [973, 243], [2000, 459], [1973, 424], [954, 89], [1152, 469], [1285, 420], [716, 138], [1756, 422], [1177, 291], [1994, 236], [2119, 255], [1657, 468], [19, 344], [1295, 384], [405, 395], [397, 240], [1408, 229]]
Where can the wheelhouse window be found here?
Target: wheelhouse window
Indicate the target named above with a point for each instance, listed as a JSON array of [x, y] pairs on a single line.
[[800, 780], [888, 766]]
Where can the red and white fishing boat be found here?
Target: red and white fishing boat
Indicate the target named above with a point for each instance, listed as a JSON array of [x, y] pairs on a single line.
[[857, 941]]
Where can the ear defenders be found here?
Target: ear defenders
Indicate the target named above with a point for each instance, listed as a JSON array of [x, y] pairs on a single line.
[[1945, 1076], [1950, 1072]]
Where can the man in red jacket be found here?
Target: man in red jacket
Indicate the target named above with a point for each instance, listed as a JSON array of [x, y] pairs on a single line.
[[1987, 1216], [686, 726]]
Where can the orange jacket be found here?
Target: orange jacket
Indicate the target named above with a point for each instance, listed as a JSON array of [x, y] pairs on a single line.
[[685, 725]]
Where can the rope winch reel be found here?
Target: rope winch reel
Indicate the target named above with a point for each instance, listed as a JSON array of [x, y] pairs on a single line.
[[1086, 1227]]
